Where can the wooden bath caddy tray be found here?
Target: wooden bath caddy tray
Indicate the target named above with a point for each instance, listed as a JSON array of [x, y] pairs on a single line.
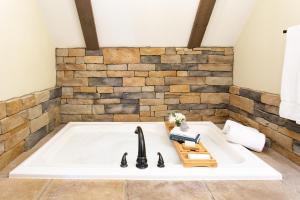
[[184, 151]]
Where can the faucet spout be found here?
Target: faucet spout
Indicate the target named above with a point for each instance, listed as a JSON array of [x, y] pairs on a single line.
[[141, 161]]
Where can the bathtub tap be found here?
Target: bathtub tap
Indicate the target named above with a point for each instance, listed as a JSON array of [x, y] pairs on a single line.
[[141, 161]]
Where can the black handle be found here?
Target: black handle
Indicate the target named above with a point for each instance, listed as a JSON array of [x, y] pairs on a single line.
[[160, 162], [124, 161]]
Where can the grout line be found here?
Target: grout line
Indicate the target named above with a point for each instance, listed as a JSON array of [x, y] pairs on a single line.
[[211, 195], [44, 189]]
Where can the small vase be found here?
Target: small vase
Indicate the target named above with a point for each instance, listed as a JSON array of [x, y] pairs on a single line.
[[184, 126]]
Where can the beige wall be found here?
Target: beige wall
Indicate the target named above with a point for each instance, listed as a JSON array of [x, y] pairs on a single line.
[[27, 56], [259, 51]]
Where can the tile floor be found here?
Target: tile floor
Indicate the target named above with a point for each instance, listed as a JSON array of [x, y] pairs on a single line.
[[287, 189]]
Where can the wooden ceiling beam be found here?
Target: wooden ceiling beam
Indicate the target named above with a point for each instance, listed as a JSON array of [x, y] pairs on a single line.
[[204, 12], [86, 17]]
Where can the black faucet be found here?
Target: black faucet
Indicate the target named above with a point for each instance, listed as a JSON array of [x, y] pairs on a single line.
[[141, 161]]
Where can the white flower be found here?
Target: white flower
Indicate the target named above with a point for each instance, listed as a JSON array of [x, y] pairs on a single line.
[[176, 118]]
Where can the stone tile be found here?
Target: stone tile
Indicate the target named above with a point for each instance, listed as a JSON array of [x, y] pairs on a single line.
[[152, 119], [62, 52], [189, 99], [179, 88], [194, 58], [215, 98], [152, 51], [220, 59], [93, 59], [15, 189], [12, 122], [148, 89], [150, 59], [98, 109], [161, 88], [155, 81], [138, 95], [209, 88], [11, 154], [74, 67], [69, 60], [126, 118], [94, 52], [39, 122], [120, 73], [200, 73], [79, 60], [135, 81], [87, 74], [170, 59], [34, 112], [100, 118], [162, 73], [242, 103], [234, 90], [270, 99], [76, 109], [141, 67], [127, 89], [16, 135], [35, 137], [28, 101], [13, 106], [70, 118], [42, 96], [250, 94], [76, 52], [215, 67], [170, 51], [159, 108], [105, 89], [151, 102], [121, 109], [182, 73], [80, 101], [84, 89], [105, 81], [184, 81], [167, 190], [141, 73], [218, 80], [122, 67], [95, 67], [2, 110], [81, 190], [107, 101], [121, 55], [85, 95], [247, 190]]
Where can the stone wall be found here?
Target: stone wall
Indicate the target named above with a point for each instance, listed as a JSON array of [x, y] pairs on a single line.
[[144, 84], [261, 111], [25, 120]]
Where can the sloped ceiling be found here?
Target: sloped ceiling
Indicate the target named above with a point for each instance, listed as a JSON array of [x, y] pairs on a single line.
[[154, 23]]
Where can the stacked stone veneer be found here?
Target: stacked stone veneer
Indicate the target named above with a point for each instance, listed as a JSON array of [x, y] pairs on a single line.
[[25, 120], [261, 111], [144, 84]]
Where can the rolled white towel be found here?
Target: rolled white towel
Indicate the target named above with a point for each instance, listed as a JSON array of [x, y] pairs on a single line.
[[246, 136]]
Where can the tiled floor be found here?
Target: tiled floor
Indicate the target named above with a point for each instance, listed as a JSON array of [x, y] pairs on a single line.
[[288, 189]]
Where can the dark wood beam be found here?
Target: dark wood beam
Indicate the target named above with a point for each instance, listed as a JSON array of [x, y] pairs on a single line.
[[86, 17], [201, 21]]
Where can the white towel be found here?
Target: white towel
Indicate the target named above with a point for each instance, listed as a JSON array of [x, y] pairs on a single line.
[[290, 84], [246, 136]]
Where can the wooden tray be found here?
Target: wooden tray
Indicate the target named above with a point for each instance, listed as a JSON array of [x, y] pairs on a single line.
[[184, 151]]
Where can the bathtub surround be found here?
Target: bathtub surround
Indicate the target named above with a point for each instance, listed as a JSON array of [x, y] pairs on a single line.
[[25, 120], [260, 110], [144, 84]]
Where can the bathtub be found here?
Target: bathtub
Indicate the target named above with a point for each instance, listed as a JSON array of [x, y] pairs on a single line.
[[83, 150]]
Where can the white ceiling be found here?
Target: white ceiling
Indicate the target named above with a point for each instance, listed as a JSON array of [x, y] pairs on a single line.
[[155, 23]]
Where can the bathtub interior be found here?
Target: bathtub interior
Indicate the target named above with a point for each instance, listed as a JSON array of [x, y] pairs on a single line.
[[94, 150]]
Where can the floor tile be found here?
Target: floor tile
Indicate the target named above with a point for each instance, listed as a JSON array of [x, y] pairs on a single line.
[[167, 190], [16, 189], [248, 190], [84, 190]]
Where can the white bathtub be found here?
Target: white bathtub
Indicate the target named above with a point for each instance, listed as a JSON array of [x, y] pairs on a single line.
[[94, 151]]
